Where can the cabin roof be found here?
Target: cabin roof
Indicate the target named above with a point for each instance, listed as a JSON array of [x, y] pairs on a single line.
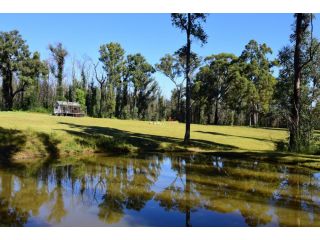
[[63, 103]]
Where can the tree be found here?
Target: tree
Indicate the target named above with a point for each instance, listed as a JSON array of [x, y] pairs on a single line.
[[91, 99], [147, 93], [256, 67], [102, 79], [125, 75], [298, 83], [112, 57], [38, 71], [140, 75], [59, 54], [169, 65], [80, 97], [237, 96], [215, 80], [190, 23], [302, 22], [16, 63]]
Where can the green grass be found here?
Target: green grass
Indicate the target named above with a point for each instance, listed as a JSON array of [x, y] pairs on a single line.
[[43, 134]]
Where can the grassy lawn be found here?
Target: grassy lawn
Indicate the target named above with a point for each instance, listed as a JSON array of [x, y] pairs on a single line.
[[24, 135]]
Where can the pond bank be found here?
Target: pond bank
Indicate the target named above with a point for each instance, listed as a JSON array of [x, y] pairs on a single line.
[[22, 146]]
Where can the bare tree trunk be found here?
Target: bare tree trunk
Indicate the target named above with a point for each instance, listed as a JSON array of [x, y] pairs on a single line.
[[22, 99], [133, 104], [118, 108], [255, 117], [188, 83], [101, 99], [208, 111], [216, 113], [178, 105], [7, 90], [295, 110], [232, 118]]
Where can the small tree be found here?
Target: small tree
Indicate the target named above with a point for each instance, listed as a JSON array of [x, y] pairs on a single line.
[[80, 98]]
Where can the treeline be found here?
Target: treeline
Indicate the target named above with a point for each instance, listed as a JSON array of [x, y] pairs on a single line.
[[222, 89], [117, 85], [227, 89]]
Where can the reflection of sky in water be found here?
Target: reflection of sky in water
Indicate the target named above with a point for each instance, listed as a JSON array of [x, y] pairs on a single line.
[[167, 177], [317, 176]]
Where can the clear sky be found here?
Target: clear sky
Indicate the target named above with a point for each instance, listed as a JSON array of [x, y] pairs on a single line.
[[150, 34]]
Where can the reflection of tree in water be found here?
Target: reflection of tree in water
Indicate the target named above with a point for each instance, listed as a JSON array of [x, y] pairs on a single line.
[[297, 198], [262, 193], [128, 185], [58, 210], [29, 193], [248, 187], [180, 194], [30, 196], [230, 186], [11, 216]]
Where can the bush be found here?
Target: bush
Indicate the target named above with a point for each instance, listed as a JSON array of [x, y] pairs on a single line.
[[40, 110], [114, 145]]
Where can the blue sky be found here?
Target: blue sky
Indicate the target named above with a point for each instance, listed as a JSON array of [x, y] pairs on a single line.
[[150, 34]]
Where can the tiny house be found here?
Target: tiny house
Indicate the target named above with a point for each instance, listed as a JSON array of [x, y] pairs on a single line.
[[62, 108]]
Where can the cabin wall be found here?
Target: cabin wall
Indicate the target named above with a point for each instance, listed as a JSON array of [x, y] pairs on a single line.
[[67, 110]]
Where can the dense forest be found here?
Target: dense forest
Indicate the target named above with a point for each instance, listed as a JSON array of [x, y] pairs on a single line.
[[251, 89]]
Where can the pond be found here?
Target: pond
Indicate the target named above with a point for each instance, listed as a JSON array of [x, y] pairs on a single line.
[[159, 190]]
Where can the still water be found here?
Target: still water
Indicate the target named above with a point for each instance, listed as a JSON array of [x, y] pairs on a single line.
[[159, 190]]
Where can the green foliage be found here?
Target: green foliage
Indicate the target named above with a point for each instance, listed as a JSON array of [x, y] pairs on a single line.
[[81, 97], [59, 54], [144, 85], [214, 80], [17, 62], [112, 57], [170, 67], [191, 22], [40, 110], [309, 90], [256, 67]]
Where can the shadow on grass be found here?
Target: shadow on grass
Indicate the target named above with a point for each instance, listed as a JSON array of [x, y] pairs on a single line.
[[11, 142], [231, 135], [50, 145], [144, 142]]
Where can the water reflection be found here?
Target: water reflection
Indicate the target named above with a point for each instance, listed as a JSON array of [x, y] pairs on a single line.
[[160, 190]]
